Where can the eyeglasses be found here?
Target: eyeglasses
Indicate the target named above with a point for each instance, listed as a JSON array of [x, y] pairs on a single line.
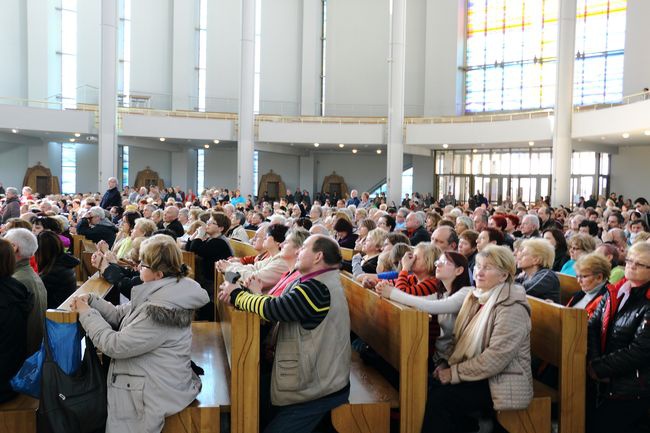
[[631, 263], [478, 269], [582, 277], [142, 265], [440, 262]]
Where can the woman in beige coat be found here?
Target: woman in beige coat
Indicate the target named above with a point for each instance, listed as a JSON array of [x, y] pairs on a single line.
[[489, 366]]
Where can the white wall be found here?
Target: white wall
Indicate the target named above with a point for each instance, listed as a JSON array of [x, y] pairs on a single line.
[[415, 57], [88, 50], [13, 164], [629, 172], [87, 163], [220, 167], [637, 62], [356, 58], [281, 54], [156, 159], [422, 173], [223, 51], [287, 166], [13, 49], [361, 171], [151, 50]]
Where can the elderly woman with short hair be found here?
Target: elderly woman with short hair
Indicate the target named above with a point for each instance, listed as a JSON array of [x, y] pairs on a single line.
[[371, 248], [579, 245], [491, 341], [535, 259], [592, 272]]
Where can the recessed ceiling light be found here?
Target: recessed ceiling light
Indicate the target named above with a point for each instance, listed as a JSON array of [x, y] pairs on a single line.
[[316, 144], [531, 143], [626, 135], [162, 139], [378, 151], [602, 138], [647, 132], [354, 150], [76, 134], [72, 140], [474, 150], [341, 145], [15, 131], [215, 141], [207, 146], [444, 146]]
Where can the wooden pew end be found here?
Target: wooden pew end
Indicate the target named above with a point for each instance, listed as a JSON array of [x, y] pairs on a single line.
[[535, 419]]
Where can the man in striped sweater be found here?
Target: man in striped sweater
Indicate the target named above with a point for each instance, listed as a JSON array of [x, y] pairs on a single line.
[[311, 369]]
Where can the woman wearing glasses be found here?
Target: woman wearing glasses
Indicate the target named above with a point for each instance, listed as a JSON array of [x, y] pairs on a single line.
[[489, 367], [149, 340], [618, 350], [579, 245], [592, 272]]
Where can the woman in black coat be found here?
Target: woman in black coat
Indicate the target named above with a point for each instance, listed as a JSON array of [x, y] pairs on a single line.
[[56, 268], [16, 302]]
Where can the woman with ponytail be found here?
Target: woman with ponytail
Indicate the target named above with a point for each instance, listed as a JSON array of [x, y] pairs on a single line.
[[148, 339]]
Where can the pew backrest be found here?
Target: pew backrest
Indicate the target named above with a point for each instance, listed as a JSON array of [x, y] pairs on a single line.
[[241, 249], [559, 337], [250, 233], [568, 286], [346, 254], [400, 335]]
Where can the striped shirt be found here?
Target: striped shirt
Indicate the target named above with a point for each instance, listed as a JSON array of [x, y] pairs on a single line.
[[305, 302], [409, 283]]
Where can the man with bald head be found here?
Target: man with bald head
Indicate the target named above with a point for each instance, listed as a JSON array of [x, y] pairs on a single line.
[[111, 196], [445, 238], [170, 221]]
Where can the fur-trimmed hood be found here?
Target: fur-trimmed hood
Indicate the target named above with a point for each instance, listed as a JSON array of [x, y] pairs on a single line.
[[169, 299], [176, 317]]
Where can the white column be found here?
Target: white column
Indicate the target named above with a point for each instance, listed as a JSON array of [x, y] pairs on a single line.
[[245, 134], [561, 188], [306, 177], [184, 93], [108, 95], [39, 51], [312, 27], [180, 169], [396, 72]]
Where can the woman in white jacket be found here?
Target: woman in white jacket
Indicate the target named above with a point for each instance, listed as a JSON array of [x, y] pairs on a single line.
[[149, 341]]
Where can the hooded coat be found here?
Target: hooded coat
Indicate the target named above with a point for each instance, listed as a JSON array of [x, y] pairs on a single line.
[[149, 340]]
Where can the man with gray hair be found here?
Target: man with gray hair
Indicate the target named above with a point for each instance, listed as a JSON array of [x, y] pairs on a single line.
[[95, 226], [11, 208], [415, 229], [25, 245], [353, 198], [112, 195], [530, 227]]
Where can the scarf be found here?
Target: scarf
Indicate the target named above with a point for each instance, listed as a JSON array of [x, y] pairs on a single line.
[[471, 323]]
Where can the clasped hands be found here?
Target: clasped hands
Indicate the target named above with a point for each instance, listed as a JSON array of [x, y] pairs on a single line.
[[79, 303]]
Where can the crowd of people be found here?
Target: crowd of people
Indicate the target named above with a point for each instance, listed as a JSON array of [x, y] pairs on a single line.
[[469, 265]]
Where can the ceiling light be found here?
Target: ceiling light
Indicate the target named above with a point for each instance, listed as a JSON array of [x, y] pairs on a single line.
[[474, 150], [444, 146], [626, 135], [215, 141], [531, 143], [647, 132], [76, 134], [316, 144], [162, 139], [378, 151], [354, 150], [341, 145], [602, 138], [207, 146], [72, 140], [15, 131]]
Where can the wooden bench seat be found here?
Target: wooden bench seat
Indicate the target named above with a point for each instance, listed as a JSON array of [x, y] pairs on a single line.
[[18, 415]]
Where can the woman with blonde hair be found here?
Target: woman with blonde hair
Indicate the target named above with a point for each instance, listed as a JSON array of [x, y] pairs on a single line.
[[579, 245], [592, 272], [491, 340], [535, 259], [418, 273], [149, 340], [371, 248]]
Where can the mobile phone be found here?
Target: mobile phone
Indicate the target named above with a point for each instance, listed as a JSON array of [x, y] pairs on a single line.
[[232, 277]]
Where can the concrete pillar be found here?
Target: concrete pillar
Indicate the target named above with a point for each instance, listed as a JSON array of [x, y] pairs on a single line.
[[561, 187], [40, 52], [246, 132], [180, 169], [306, 177], [312, 27], [184, 91], [396, 78], [108, 95]]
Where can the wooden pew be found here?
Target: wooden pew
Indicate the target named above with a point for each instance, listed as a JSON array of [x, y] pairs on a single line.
[[559, 337], [568, 286], [400, 335], [189, 258], [77, 248], [347, 254], [242, 250], [250, 233]]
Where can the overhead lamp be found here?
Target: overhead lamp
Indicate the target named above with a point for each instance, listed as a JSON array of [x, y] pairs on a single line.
[[15, 131], [76, 134], [474, 150], [602, 137], [378, 151], [646, 132], [162, 138], [626, 135], [215, 141], [316, 144], [72, 140], [207, 146], [445, 146], [531, 143], [354, 150], [341, 145]]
